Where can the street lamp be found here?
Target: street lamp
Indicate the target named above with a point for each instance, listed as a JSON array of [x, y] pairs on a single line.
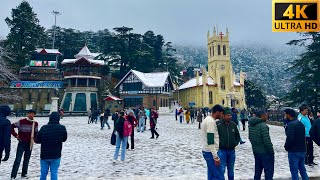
[[55, 13]]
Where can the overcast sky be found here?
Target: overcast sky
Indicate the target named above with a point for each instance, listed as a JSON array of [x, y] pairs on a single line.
[[180, 21]]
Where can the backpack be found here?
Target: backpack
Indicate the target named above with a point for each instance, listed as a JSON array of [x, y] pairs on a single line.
[[127, 128]]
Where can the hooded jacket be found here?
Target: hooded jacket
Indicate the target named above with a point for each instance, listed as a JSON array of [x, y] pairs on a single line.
[[259, 136], [5, 130], [51, 137]]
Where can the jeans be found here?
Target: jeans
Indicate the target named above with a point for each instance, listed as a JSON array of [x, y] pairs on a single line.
[[309, 157], [53, 164], [123, 142], [181, 119], [23, 147], [214, 172], [141, 124], [296, 162], [266, 162], [104, 121], [227, 158]]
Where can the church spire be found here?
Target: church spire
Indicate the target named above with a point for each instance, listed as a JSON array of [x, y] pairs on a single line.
[[208, 35]]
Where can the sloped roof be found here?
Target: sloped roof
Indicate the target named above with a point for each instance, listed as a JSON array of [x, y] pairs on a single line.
[[84, 54], [112, 98], [193, 82], [91, 61], [48, 51], [156, 79]]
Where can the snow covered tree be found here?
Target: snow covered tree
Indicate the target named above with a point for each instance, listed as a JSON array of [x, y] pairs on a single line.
[[307, 72], [25, 34]]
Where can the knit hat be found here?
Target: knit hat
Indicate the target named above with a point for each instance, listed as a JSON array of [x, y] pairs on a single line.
[[5, 110], [227, 111], [31, 111]]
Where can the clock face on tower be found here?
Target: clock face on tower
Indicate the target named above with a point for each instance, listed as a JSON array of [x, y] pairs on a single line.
[[222, 67]]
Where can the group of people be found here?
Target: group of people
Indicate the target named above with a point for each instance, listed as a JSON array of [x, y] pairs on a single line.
[[50, 136], [220, 136]]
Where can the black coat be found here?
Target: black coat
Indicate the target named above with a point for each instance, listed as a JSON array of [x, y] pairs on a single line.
[[315, 132], [295, 132], [5, 130], [51, 137], [119, 126]]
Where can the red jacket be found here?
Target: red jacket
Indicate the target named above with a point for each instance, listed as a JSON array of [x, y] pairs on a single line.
[[24, 130], [133, 121]]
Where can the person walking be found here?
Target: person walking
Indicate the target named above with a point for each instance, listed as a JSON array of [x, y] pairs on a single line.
[[180, 113], [210, 143], [199, 118], [176, 114], [243, 118], [89, 116], [303, 117], [142, 118], [187, 113], [295, 145], [192, 115], [261, 146], [153, 121], [133, 121], [106, 118], [51, 137], [229, 138], [121, 139], [27, 132], [5, 132]]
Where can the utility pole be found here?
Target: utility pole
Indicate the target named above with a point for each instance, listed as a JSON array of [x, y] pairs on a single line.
[[55, 13]]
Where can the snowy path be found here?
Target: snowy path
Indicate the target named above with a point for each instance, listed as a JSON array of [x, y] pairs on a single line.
[[87, 154]]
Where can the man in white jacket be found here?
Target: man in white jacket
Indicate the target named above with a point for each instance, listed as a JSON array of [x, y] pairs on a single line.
[[210, 142]]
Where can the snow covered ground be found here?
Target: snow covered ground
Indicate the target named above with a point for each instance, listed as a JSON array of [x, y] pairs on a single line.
[[176, 155]]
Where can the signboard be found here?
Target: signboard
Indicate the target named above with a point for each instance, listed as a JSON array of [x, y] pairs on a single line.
[[36, 84], [192, 104], [40, 63]]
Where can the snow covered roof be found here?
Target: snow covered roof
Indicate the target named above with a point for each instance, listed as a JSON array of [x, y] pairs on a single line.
[[48, 51], [91, 61], [235, 83], [112, 98], [193, 83], [86, 53], [157, 79]]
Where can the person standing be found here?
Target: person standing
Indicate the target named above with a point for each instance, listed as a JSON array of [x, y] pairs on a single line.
[[315, 130], [243, 117], [176, 114], [5, 132], [146, 118], [25, 128], [210, 143], [114, 118], [261, 146], [142, 117], [229, 138], [121, 140], [90, 116], [133, 121], [187, 113], [51, 137], [303, 117], [192, 115], [153, 121], [199, 118], [236, 121], [180, 113], [295, 145]]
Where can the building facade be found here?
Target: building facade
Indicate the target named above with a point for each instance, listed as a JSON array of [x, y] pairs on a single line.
[[219, 84]]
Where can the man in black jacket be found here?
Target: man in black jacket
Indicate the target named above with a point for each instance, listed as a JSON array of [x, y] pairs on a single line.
[[229, 138], [315, 130], [295, 145], [5, 132], [51, 137]]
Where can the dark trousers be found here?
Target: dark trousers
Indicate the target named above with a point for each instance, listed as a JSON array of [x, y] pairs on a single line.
[[132, 139], [23, 147], [199, 125], [309, 157], [264, 162], [176, 117], [243, 121], [153, 132]]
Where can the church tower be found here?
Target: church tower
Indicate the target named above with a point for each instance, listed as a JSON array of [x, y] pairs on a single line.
[[219, 64]]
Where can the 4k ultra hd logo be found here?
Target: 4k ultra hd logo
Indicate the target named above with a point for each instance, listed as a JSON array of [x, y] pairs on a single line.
[[295, 15]]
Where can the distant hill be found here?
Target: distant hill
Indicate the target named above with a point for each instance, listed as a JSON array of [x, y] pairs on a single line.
[[264, 65]]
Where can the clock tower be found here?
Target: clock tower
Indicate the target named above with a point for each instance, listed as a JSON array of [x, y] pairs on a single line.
[[219, 64]]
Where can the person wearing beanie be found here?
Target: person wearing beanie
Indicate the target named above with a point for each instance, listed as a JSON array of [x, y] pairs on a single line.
[[229, 138], [27, 133], [51, 137], [5, 132], [295, 145]]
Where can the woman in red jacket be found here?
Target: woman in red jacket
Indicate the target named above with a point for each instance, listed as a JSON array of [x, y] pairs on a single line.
[[132, 119]]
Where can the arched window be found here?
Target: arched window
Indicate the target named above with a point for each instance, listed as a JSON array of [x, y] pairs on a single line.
[[219, 50], [224, 50], [223, 83], [223, 102], [210, 97], [210, 51]]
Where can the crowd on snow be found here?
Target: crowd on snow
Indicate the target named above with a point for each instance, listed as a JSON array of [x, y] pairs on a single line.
[[220, 135]]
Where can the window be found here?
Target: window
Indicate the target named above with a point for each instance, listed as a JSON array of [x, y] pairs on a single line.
[[93, 100], [80, 102], [210, 52], [219, 50], [82, 82], [210, 97], [223, 102], [92, 82], [161, 104], [154, 102], [137, 86], [133, 102], [223, 83], [224, 50], [67, 101]]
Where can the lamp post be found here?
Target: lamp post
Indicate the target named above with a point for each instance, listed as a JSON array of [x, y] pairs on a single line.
[[55, 13]]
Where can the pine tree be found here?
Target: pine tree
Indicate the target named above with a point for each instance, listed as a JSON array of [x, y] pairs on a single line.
[[25, 34], [255, 98], [307, 72]]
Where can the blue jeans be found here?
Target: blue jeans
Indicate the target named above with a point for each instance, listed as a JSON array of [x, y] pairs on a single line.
[[181, 119], [227, 158], [141, 124], [296, 162], [123, 142], [53, 164], [22, 149], [266, 162], [214, 172]]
